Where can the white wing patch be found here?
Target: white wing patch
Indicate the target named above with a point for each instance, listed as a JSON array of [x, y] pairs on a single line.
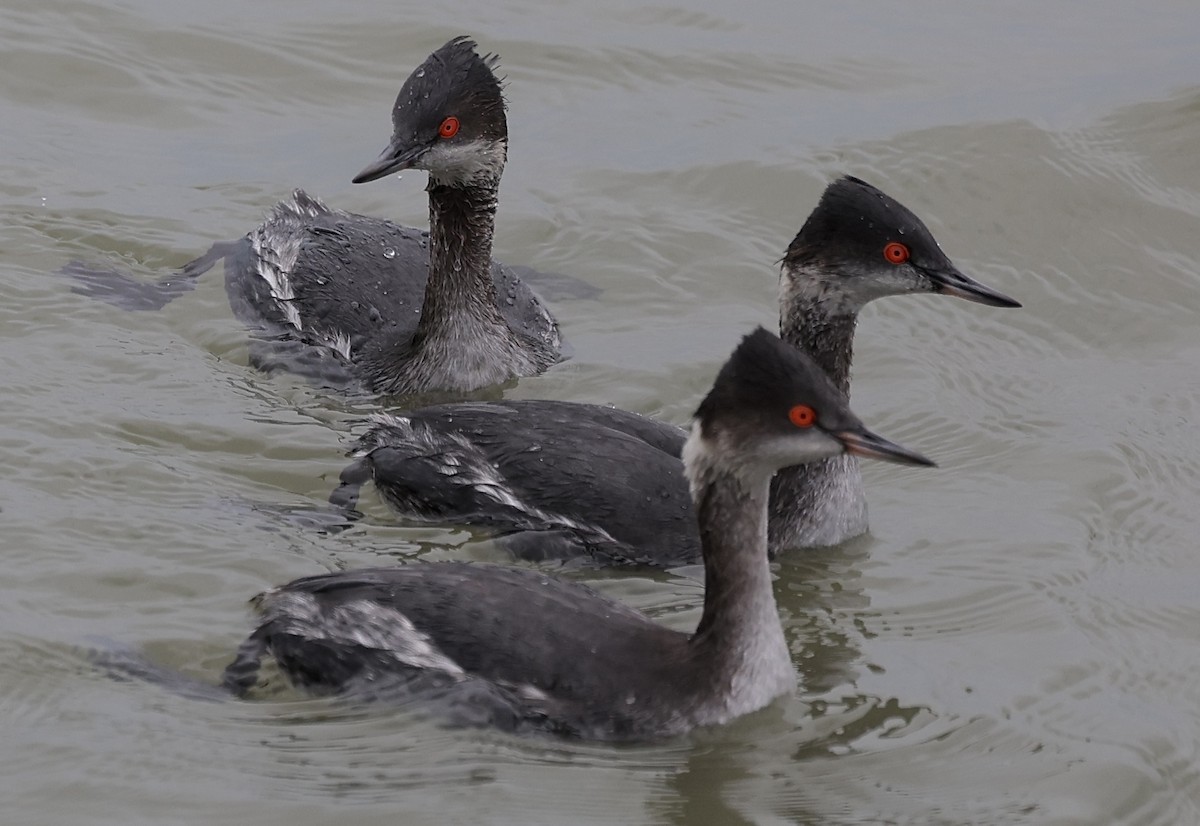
[[359, 622], [276, 246], [337, 341], [463, 462]]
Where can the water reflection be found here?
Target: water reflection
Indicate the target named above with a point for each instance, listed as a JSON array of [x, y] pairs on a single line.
[[1019, 641]]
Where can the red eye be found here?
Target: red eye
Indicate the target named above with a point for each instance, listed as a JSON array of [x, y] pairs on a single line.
[[802, 416], [449, 127], [896, 252]]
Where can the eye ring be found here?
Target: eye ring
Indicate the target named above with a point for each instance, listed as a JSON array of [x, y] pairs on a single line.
[[449, 127], [895, 252], [802, 416]]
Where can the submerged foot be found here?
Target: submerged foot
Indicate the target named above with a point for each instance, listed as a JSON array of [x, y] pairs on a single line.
[[123, 290]]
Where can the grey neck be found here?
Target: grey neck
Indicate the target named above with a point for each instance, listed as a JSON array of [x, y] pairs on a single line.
[[820, 503], [819, 320], [739, 640], [462, 221], [462, 341]]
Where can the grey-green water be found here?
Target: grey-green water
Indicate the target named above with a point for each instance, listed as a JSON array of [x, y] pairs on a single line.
[[1017, 642]]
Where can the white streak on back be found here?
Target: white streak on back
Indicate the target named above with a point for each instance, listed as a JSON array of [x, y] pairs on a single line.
[[276, 245], [467, 465], [360, 622]]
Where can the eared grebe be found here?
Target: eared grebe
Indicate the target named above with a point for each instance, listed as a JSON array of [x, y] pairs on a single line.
[[560, 479], [350, 299], [532, 651]]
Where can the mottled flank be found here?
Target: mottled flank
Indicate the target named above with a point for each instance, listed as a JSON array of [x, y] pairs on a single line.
[[276, 246], [362, 622], [518, 468], [463, 464]]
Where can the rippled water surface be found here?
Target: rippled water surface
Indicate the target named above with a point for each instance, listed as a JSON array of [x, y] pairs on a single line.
[[1018, 641]]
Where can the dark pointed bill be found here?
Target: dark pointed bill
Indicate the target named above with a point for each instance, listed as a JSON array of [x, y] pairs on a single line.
[[398, 156], [953, 282], [865, 443]]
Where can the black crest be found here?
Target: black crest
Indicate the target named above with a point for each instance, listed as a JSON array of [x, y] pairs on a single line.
[[853, 222], [454, 80], [764, 379]]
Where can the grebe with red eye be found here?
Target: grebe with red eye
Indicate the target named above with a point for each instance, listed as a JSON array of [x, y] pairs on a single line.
[[560, 479], [519, 649], [353, 300]]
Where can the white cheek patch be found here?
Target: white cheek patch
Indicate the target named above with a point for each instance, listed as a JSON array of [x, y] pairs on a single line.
[[846, 293], [459, 164]]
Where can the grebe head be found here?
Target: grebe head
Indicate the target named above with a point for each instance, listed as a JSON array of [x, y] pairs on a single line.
[[771, 407], [859, 244], [448, 120]]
